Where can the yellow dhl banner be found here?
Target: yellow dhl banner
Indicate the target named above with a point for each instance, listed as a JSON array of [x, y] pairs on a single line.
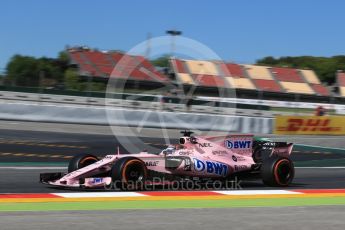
[[325, 125]]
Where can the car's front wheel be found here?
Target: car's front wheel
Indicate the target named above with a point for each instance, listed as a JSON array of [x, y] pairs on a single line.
[[81, 161], [129, 173]]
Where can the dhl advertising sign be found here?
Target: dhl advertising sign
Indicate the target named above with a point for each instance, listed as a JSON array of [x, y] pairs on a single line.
[[327, 125]]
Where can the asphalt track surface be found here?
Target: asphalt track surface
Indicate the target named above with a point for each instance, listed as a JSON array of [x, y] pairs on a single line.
[[42, 142], [54, 144], [25, 180], [26, 147], [326, 217]]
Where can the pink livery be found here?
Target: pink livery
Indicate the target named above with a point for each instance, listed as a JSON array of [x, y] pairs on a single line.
[[195, 158]]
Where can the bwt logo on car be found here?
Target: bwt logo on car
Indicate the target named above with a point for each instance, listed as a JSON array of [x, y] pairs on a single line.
[[97, 180], [210, 167], [238, 144]]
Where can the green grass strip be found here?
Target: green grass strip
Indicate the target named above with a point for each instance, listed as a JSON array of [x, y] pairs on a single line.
[[173, 204]]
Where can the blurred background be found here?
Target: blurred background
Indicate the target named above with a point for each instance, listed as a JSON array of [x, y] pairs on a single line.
[[281, 66], [70, 84], [280, 58]]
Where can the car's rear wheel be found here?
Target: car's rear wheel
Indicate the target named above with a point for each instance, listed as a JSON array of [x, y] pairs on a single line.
[[81, 161], [129, 173], [277, 171]]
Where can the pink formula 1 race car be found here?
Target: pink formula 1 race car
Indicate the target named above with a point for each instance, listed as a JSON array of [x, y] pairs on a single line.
[[193, 159]]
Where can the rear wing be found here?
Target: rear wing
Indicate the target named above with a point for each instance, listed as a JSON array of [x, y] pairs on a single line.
[[270, 148]]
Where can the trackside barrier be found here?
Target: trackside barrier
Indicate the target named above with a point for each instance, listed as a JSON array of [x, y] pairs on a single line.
[[310, 125], [134, 117]]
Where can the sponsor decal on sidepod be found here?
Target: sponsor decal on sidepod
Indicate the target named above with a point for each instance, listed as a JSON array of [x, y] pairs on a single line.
[[151, 163], [220, 152], [240, 167], [210, 167], [238, 144], [204, 145]]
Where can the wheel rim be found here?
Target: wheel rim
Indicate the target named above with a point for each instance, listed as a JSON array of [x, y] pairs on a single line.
[[133, 171], [283, 172]]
